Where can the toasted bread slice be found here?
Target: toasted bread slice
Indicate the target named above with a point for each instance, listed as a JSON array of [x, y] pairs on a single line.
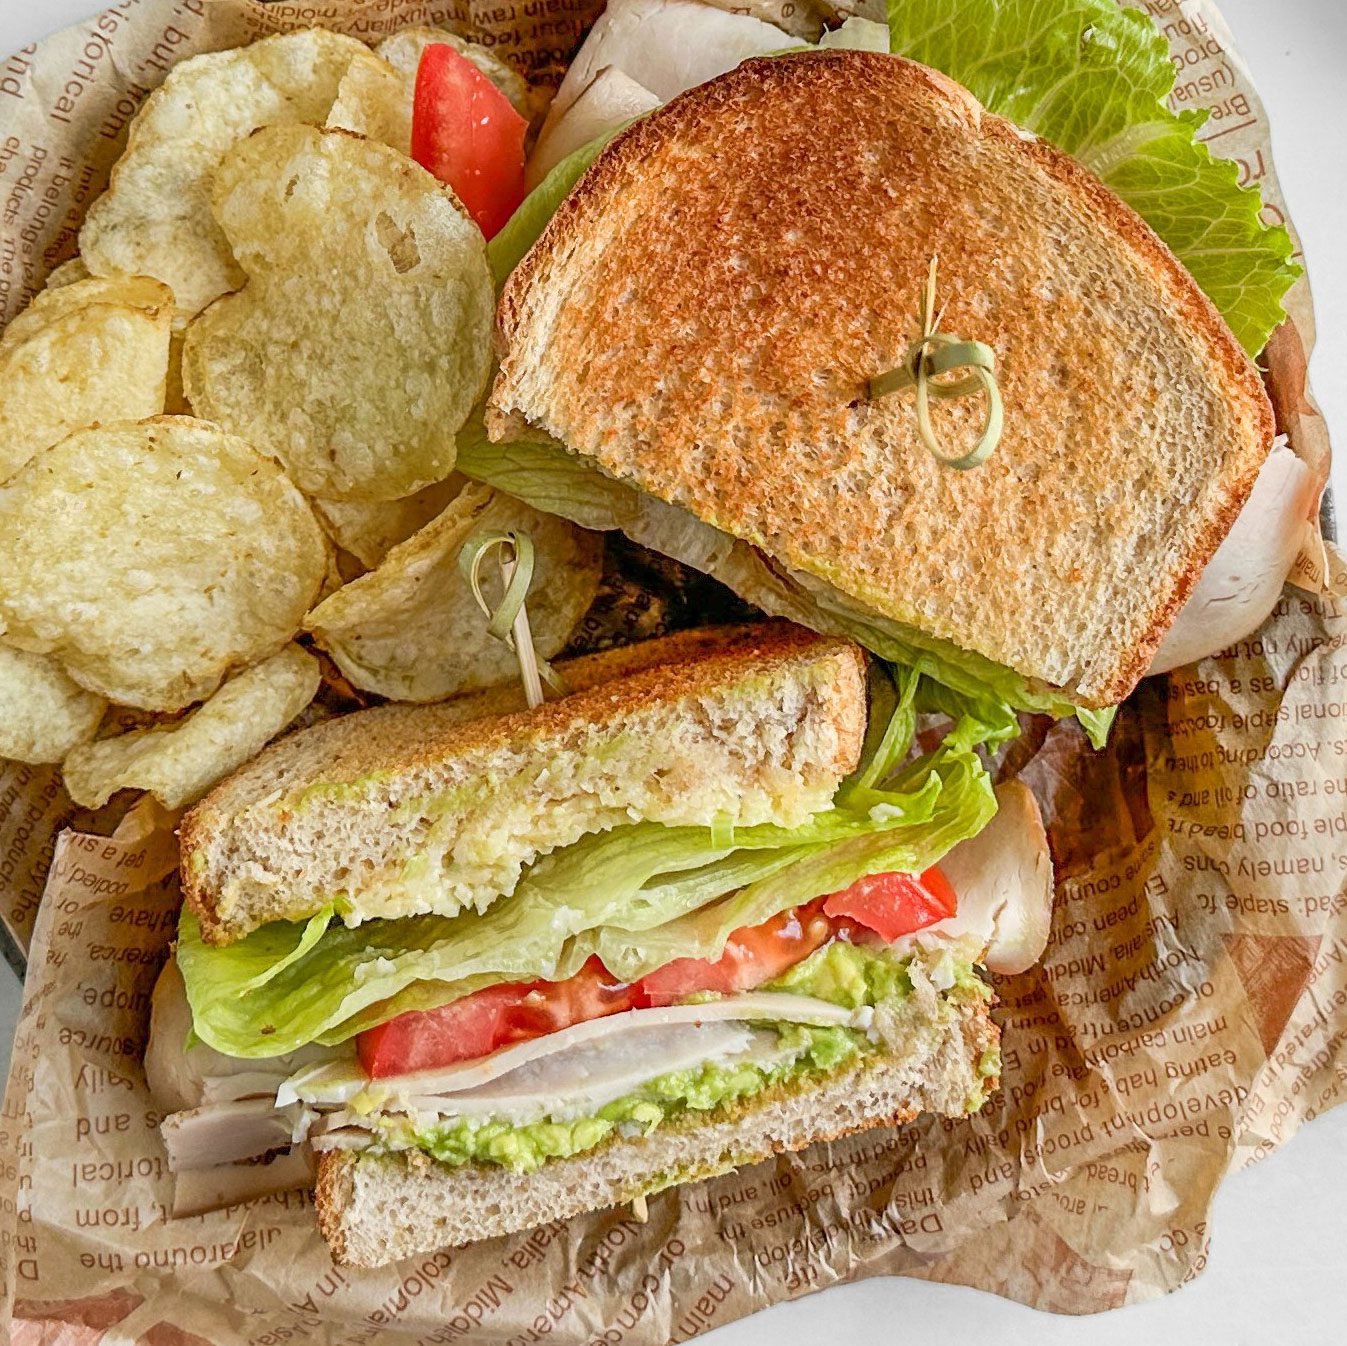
[[411, 809], [376, 1209], [703, 315]]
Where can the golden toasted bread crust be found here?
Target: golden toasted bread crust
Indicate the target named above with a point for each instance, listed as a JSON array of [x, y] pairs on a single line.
[[397, 737], [339, 1172], [1236, 372], [704, 312]]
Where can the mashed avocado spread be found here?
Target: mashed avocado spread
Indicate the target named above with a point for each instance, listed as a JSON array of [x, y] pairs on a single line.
[[840, 973]]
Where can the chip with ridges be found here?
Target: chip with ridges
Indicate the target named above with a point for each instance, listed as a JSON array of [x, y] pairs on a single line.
[[179, 762], [153, 558], [43, 714], [403, 51], [370, 529], [155, 218], [362, 339], [89, 350], [72, 269], [411, 630], [375, 101], [375, 97]]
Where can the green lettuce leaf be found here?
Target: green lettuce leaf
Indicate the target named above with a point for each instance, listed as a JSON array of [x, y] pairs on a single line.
[[965, 807], [993, 689], [545, 474], [1093, 78], [891, 726], [641, 895]]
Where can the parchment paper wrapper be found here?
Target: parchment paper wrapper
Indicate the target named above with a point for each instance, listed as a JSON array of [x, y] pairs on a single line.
[[1189, 1015]]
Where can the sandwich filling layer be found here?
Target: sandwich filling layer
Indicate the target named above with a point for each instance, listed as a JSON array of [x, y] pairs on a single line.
[[647, 980], [569, 1106], [376, 1208], [554, 1090]]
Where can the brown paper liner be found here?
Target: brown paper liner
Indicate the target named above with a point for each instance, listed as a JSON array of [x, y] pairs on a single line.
[[1189, 1015]]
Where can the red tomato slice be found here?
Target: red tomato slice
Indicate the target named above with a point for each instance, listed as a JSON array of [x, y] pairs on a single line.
[[593, 993], [423, 1039], [893, 905], [889, 905], [465, 131], [753, 956], [487, 1020]]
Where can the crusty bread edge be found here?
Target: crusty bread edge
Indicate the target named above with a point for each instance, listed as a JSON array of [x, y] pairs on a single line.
[[629, 148]]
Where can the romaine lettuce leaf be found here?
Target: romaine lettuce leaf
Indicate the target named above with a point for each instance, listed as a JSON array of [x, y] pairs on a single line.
[[629, 892], [1093, 78], [965, 809], [891, 726]]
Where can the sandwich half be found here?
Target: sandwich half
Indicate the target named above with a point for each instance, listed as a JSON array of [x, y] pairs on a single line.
[[714, 903], [701, 319]]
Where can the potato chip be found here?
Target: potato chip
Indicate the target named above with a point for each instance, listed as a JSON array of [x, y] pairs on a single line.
[[72, 269], [142, 293], [403, 52], [375, 100], [92, 350], [412, 630], [370, 529], [177, 763], [362, 338], [153, 558], [155, 218], [42, 713]]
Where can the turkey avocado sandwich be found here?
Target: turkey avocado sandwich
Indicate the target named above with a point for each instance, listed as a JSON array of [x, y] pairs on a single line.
[[471, 966]]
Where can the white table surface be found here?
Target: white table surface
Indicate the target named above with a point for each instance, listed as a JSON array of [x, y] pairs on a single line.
[[1278, 1269]]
